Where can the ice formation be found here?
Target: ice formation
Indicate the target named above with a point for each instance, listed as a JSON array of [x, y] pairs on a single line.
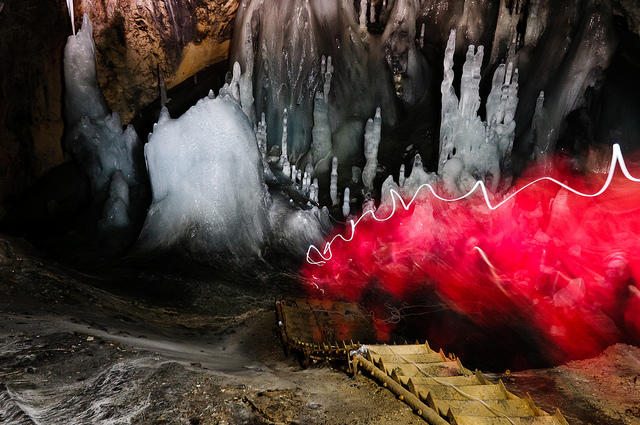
[[346, 204], [321, 148], [287, 66], [208, 171], [94, 136], [208, 190], [471, 149], [333, 188], [371, 141], [71, 15]]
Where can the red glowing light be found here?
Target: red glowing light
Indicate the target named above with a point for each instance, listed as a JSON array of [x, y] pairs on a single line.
[[563, 257]]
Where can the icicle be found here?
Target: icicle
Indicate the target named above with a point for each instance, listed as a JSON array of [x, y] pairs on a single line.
[[402, 177], [72, 15], [346, 206], [294, 174], [422, 29], [333, 188]]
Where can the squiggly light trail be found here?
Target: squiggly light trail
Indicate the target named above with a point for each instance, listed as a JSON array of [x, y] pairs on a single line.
[[616, 159]]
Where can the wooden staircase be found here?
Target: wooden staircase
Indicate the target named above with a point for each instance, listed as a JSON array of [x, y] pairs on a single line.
[[442, 391]]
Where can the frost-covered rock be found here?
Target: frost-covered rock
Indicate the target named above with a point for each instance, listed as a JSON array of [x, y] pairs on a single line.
[[208, 190]]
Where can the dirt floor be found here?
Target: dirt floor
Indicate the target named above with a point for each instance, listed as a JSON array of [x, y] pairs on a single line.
[[73, 353]]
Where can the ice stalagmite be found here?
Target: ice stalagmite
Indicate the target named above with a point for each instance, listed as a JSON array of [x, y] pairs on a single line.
[[402, 176], [501, 108], [284, 156], [333, 187], [208, 191], [346, 205], [371, 142], [261, 137], [232, 88], [470, 149], [313, 191]]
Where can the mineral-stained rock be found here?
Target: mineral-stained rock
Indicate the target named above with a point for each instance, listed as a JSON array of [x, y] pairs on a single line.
[[134, 37]]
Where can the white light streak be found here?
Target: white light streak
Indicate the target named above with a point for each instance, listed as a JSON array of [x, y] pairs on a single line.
[[326, 254]]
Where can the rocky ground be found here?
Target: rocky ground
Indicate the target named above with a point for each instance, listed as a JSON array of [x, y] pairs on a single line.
[[76, 350]]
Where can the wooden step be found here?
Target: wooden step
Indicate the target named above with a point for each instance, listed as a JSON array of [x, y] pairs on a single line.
[[483, 392], [399, 349], [458, 381], [496, 408], [480, 420], [423, 357], [449, 368]]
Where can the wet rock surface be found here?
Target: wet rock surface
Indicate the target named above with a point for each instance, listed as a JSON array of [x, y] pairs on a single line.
[[71, 353]]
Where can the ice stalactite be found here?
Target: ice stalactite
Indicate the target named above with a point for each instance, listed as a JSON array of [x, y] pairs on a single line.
[[333, 187], [72, 15], [469, 148], [94, 136], [286, 61], [371, 142], [346, 204]]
